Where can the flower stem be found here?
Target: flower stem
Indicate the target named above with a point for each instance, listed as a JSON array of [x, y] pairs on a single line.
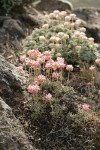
[[68, 78]]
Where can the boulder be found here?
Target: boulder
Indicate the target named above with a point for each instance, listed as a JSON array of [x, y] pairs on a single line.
[[31, 18], [11, 33], [49, 6], [12, 135], [10, 83], [14, 28], [91, 18]]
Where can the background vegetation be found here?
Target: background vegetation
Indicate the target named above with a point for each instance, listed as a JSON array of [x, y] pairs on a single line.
[[9, 5]]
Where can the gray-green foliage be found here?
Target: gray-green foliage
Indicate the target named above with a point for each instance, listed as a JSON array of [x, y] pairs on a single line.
[[76, 49]]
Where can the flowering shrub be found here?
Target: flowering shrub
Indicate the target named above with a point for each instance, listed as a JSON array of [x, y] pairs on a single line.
[[45, 83], [58, 46], [64, 37]]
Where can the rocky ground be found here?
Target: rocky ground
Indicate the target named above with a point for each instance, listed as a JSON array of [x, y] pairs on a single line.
[[23, 131], [17, 129]]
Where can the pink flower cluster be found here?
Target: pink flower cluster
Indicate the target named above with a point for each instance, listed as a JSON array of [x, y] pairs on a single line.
[[59, 64], [92, 68], [33, 54], [35, 60], [47, 97], [33, 89], [47, 55], [22, 58], [49, 64], [41, 79], [97, 61], [86, 107], [99, 92], [69, 68], [55, 75]]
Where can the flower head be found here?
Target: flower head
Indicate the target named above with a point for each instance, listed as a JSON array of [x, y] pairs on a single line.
[[51, 45], [69, 67], [92, 68], [27, 61], [36, 82], [56, 12], [55, 39], [67, 18], [85, 107], [41, 78], [45, 26], [42, 38], [61, 34], [51, 15], [34, 53], [91, 40], [97, 61], [61, 65], [47, 55], [63, 13], [82, 29], [66, 24], [41, 59], [99, 92], [55, 65], [55, 75], [46, 16], [57, 46], [33, 88], [36, 64], [47, 97], [49, 64], [78, 48], [73, 16], [78, 22], [22, 58], [60, 59]]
